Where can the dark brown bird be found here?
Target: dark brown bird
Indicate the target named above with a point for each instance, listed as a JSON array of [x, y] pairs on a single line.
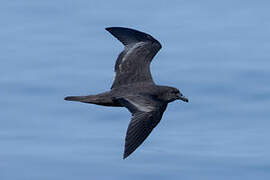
[[134, 88]]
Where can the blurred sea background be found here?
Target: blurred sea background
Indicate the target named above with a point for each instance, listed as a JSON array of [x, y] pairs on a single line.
[[215, 52]]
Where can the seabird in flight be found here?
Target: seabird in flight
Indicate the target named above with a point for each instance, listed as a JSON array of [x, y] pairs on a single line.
[[134, 88]]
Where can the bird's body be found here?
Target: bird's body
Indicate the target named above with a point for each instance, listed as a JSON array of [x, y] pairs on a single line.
[[109, 98], [134, 88]]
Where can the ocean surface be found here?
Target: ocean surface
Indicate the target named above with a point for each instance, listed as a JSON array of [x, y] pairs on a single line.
[[215, 52]]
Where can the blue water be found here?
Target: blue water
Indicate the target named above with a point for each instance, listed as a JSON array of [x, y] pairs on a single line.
[[215, 52]]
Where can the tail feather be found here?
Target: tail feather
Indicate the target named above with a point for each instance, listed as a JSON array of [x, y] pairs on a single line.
[[76, 98], [103, 99]]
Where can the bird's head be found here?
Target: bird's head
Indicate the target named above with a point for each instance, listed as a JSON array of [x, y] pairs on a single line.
[[173, 94]]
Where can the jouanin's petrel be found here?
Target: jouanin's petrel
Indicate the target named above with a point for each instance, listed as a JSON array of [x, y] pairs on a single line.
[[134, 88]]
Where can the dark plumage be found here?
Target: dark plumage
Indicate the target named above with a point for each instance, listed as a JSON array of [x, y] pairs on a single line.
[[134, 88]]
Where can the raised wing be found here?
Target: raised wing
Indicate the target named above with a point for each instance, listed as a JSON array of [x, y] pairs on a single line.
[[146, 114], [133, 63]]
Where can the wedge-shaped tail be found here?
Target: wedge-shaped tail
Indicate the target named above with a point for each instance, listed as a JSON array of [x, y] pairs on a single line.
[[75, 98], [103, 99]]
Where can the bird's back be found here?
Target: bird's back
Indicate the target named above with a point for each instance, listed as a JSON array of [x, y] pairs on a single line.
[[136, 88]]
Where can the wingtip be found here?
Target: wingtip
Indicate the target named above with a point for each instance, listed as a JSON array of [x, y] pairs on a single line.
[[125, 155], [115, 30], [128, 35], [111, 28], [107, 28]]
